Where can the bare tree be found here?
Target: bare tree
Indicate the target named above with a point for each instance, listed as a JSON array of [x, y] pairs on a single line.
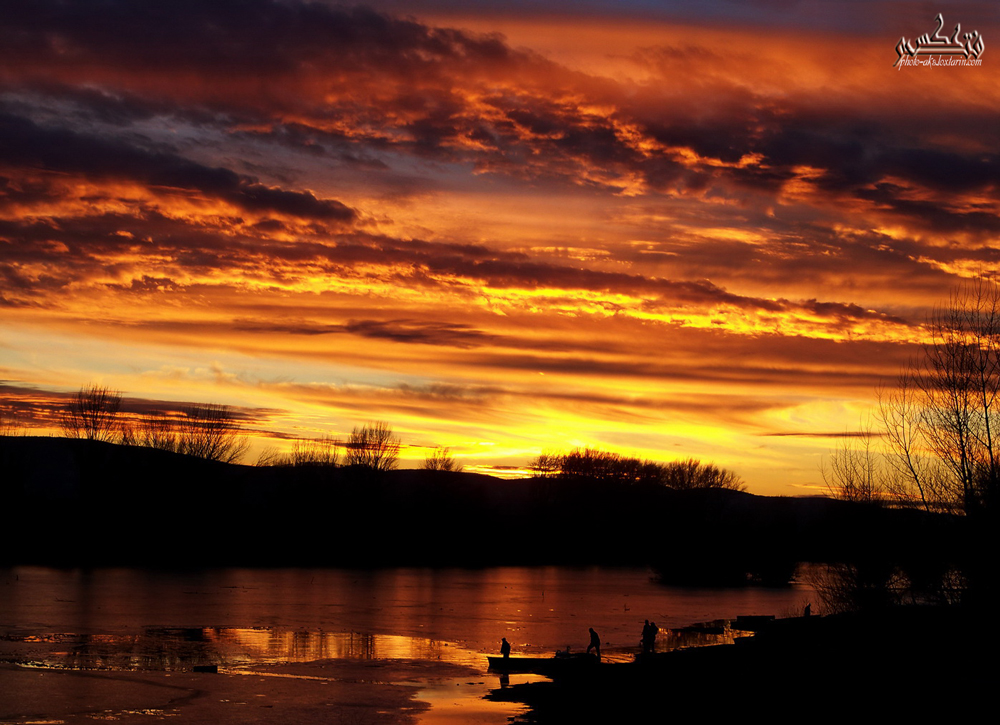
[[887, 462], [941, 422], [314, 452], [442, 460], [94, 414], [374, 446], [547, 464], [903, 429], [959, 382], [940, 427], [859, 470], [212, 431], [269, 457], [155, 430]]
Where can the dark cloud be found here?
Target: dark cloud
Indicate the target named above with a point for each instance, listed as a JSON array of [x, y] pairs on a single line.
[[235, 38], [398, 330], [848, 311], [148, 285], [410, 331], [943, 170], [935, 215], [27, 144]]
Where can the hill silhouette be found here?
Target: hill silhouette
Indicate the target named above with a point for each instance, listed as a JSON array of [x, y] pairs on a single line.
[[75, 502]]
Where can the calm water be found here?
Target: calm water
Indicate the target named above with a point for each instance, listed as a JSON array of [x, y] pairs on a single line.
[[137, 619]]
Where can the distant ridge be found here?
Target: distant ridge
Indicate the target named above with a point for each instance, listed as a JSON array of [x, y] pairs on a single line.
[[76, 503]]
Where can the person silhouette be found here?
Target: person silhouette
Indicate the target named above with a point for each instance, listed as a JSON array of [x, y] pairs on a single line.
[[505, 648], [595, 643], [649, 632]]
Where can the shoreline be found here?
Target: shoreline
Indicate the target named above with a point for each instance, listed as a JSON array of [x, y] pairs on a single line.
[[910, 662]]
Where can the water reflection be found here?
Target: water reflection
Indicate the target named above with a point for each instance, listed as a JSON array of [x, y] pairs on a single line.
[[176, 648], [537, 609], [234, 650], [180, 648]]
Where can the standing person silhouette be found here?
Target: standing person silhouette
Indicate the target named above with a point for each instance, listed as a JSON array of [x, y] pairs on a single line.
[[505, 648], [595, 643]]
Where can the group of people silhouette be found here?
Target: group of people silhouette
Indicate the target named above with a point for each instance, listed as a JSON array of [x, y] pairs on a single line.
[[649, 632]]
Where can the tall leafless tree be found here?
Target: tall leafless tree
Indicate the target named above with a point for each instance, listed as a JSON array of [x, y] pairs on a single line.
[[902, 427], [959, 383], [941, 422], [94, 414]]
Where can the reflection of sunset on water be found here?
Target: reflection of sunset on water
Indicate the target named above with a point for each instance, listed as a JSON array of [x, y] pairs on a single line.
[[426, 629], [269, 646], [668, 232], [285, 616]]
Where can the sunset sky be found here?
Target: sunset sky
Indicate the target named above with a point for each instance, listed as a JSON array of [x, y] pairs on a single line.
[[668, 229]]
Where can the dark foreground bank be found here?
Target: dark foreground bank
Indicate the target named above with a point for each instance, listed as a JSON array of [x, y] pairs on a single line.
[[911, 662]]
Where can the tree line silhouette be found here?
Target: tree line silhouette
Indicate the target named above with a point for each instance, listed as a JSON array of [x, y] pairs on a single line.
[[613, 467], [215, 432]]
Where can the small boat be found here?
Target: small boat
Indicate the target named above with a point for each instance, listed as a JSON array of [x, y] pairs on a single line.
[[556, 665]]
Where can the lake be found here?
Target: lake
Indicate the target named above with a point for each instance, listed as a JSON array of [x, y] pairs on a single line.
[[135, 619]]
